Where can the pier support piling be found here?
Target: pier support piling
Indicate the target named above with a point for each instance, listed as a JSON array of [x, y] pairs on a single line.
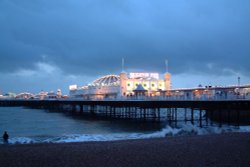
[[192, 116], [200, 118]]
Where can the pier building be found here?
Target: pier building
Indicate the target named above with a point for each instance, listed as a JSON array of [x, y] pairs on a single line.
[[123, 85], [146, 86]]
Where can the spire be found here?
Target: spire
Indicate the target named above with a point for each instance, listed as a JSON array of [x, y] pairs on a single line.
[[166, 63], [122, 64]]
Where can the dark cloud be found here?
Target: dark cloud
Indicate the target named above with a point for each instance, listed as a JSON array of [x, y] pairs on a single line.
[[91, 37]]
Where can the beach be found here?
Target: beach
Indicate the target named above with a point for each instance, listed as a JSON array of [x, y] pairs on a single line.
[[230, 149]]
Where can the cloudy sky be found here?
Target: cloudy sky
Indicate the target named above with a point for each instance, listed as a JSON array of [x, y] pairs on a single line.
[[46, 45]]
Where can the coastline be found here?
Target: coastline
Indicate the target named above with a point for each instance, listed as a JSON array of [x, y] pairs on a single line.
[[229, 149]]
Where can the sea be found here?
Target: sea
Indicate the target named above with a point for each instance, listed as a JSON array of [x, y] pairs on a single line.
[[27, 125]]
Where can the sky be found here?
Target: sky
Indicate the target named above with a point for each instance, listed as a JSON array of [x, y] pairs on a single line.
[[46, 45]]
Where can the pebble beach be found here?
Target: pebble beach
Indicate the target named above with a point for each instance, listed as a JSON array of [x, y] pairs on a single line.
[[229, 149]]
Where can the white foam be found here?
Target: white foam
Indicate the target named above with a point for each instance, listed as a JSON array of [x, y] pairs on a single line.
[[244, 128], [167, 131], [21, 140], [185, 129]]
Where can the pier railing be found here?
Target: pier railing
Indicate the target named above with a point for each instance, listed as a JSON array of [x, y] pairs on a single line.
[[194, 98]]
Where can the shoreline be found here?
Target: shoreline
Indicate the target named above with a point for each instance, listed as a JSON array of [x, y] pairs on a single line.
[[229, 149]]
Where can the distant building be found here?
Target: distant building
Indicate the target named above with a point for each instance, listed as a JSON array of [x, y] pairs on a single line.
[[24, 95]]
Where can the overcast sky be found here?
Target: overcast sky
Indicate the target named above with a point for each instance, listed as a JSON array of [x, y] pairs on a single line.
[[46, 45]]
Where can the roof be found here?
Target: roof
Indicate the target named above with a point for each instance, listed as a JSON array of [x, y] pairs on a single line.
[[140, 88], [107, 80]]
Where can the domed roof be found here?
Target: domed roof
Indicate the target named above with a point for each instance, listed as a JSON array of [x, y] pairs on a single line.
[[107, 80]]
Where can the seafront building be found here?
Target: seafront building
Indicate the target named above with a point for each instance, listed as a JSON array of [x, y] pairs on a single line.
[[212, 93], [151, 86], [43, 95], [122, 85]]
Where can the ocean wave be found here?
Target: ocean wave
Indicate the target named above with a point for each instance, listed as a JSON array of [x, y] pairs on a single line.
[[21, 140], [167, 131]]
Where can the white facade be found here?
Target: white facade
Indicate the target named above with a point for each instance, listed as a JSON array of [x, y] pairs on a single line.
[[115, 86]]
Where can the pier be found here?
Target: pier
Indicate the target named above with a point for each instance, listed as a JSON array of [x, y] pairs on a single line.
[[229, 111]]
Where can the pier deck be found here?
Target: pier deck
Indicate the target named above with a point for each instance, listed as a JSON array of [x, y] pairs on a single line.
[[195, 104]]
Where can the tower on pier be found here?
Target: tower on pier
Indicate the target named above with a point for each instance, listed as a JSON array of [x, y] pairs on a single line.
[[123, 80], [167, 77]]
